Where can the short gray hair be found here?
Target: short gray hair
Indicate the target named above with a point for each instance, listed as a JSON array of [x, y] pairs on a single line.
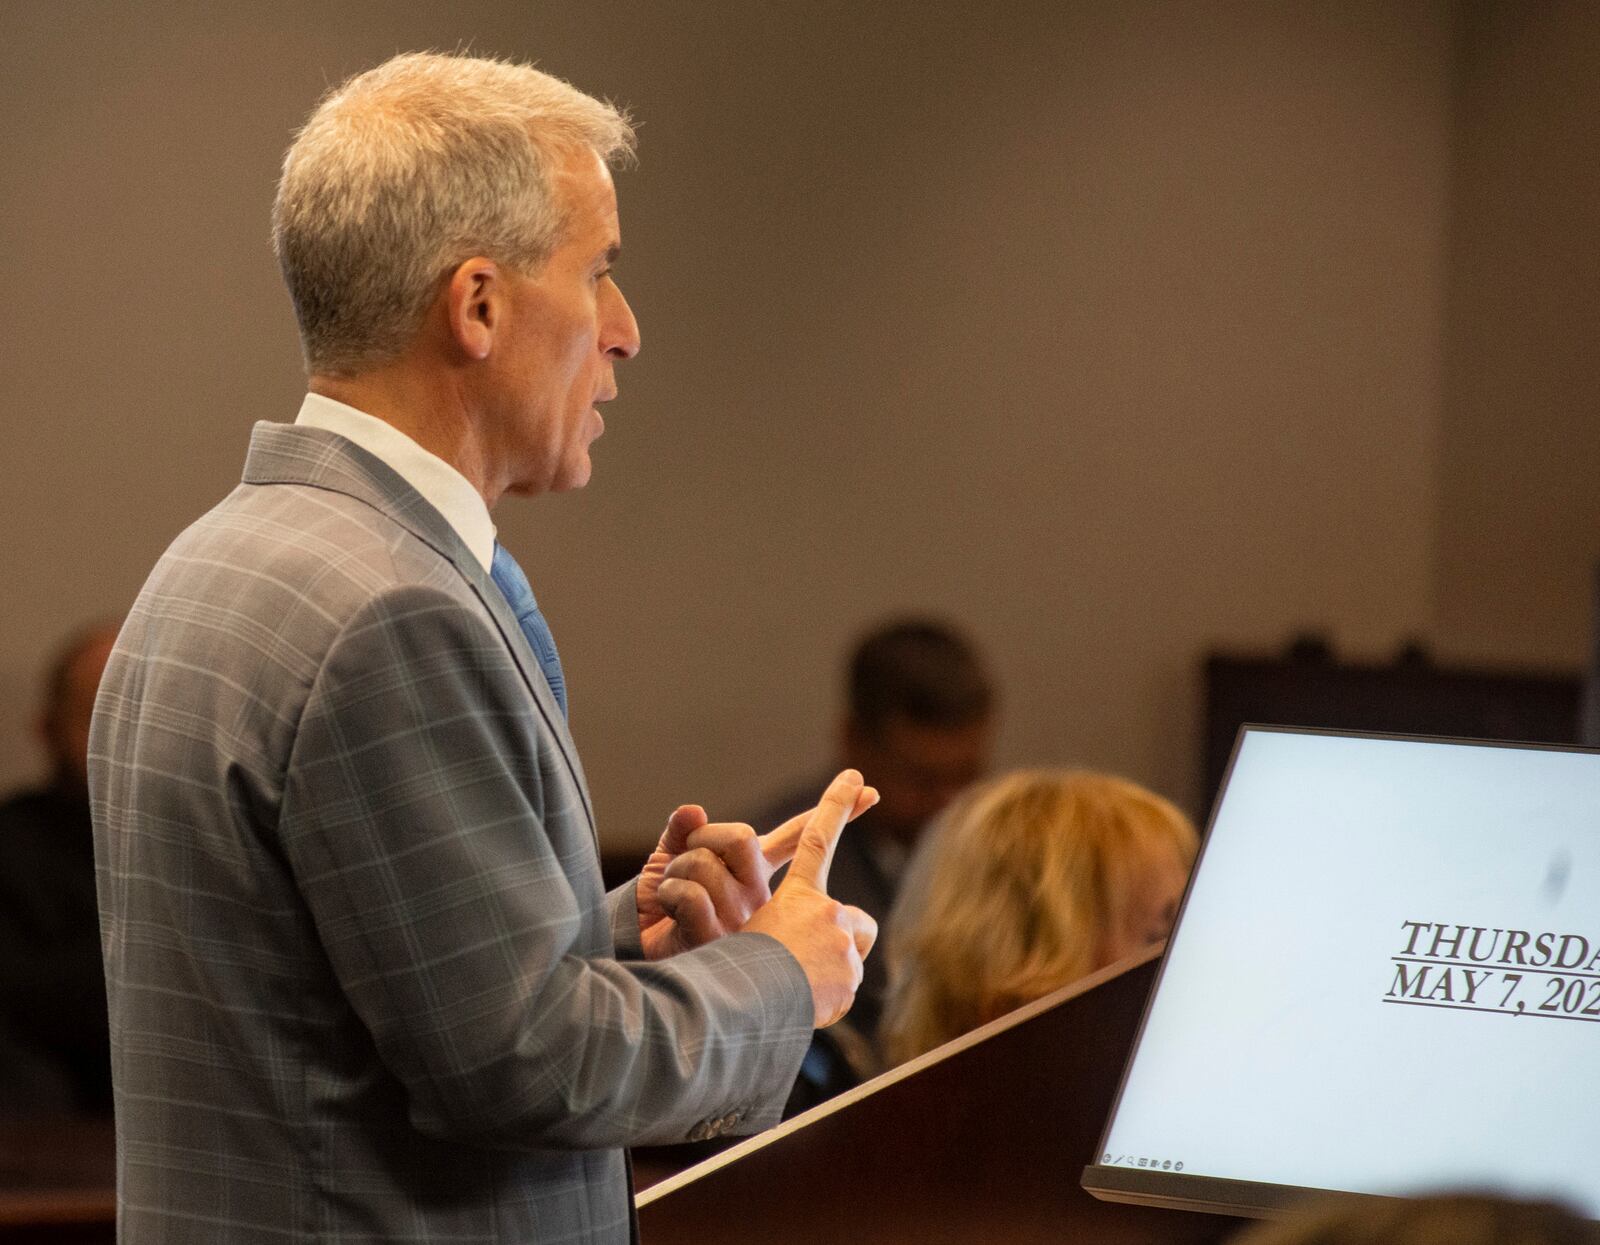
[[407, 169]]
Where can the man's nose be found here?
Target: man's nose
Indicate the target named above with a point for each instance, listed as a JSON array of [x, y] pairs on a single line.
[[621, 337]]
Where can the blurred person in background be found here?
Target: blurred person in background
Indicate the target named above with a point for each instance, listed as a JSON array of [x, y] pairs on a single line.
[[1457, 1219], [1026, 883], [54, 1044], [920, 718]]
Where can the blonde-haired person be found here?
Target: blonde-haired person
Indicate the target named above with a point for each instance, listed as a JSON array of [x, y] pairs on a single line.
[[1028, 882]]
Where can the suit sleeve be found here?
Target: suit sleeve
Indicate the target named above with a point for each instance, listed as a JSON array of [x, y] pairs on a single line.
[[418, 817], [623, 906]]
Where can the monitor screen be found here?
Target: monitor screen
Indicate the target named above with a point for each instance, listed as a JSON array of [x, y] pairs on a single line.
[[1385, 979]]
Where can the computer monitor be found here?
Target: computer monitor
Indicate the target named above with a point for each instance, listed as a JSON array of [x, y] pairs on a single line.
[[1384, 980]]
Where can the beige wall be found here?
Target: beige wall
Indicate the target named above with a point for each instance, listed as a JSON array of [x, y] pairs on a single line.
[[1519, 521], [1111, 329]]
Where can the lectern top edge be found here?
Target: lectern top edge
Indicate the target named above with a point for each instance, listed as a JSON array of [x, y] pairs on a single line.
[[895, 1075]]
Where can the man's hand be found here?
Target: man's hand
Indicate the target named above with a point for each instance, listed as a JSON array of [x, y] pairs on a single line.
[[707, 879], [702, 881], [830, 939]]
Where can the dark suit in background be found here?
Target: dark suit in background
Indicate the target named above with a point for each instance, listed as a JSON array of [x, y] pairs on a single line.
[[857, 877], [54, 1050], [55, 1054]]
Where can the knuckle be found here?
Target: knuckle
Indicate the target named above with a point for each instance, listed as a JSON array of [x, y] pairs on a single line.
[[668, 894], [685, 890]]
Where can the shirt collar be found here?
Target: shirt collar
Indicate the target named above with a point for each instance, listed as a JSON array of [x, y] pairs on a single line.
[[441, 485]]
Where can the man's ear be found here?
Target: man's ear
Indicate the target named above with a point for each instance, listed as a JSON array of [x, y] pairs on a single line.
[[475, 307]]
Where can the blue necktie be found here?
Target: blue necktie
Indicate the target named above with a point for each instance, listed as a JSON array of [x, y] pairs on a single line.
[[514, 586]]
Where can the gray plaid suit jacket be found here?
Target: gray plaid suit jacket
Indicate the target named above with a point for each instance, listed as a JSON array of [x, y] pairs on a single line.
[[364, 983]]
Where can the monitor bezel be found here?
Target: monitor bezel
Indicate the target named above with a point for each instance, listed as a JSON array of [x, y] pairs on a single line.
[[1213, 1194]]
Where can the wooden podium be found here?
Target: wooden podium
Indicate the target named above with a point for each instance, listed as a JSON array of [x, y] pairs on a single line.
[[984, 1138]]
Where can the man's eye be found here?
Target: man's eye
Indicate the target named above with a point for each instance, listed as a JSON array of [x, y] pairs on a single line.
[[602, 274]]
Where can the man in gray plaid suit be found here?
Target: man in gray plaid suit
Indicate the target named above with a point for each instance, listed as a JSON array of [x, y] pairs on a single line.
[[364, 983]]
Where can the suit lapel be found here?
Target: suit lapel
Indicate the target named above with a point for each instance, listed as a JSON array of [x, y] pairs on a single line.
[[290, 454]]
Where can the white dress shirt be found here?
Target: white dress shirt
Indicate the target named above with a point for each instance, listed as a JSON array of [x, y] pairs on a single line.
[[441, 485]]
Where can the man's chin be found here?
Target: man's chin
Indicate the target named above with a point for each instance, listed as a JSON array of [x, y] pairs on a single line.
[[566, 480], [573, 477]]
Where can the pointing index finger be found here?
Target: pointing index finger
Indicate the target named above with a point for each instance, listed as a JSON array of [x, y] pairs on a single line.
[[814, 855], [779, 846]]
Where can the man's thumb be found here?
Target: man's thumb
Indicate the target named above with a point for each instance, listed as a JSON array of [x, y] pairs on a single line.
[[685, 820]]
